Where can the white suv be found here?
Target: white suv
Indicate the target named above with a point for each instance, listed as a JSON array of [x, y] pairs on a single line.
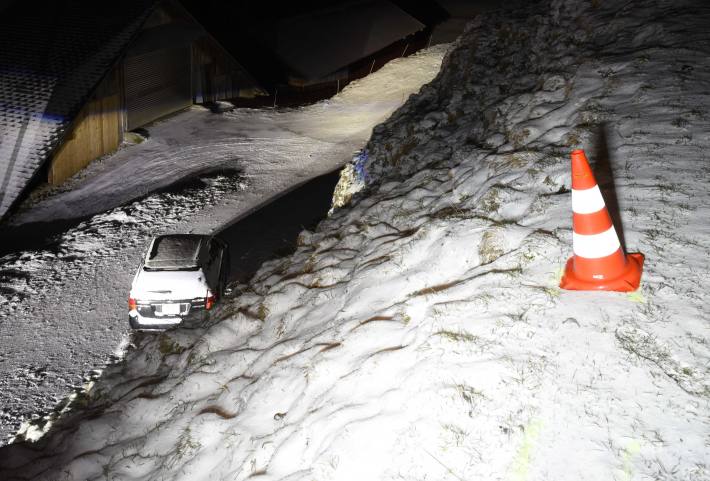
[[181, 278]]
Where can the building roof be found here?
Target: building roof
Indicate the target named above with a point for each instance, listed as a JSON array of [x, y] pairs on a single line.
[[321, 42], [52, 57]]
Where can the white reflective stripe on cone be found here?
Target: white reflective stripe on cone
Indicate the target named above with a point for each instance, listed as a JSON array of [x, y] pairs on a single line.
[[587, 201], [596, 245]]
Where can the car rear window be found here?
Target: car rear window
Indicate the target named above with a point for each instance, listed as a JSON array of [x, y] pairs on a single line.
[[174, 252]]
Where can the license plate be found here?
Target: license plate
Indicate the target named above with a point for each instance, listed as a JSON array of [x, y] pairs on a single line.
[[170, 309]]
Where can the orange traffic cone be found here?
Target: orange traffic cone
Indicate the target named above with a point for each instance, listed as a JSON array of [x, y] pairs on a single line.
[[598, 263]]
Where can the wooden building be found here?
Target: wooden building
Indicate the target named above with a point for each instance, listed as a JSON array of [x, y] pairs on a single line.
[[75, 75]]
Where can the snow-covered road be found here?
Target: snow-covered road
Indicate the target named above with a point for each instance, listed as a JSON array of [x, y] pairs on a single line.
[[62, 308]]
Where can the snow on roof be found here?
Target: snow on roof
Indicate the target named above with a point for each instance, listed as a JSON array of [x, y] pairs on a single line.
[[52, 56]]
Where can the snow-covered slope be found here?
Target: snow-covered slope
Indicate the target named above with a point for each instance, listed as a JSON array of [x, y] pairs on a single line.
[[420, 332]]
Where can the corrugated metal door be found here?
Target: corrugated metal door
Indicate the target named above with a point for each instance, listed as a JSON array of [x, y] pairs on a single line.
[[157, 84]]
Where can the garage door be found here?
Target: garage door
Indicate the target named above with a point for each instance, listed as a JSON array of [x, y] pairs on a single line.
[[157, 84]]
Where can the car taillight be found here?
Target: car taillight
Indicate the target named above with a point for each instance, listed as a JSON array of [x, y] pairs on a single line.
[[210, 300], [132, 304]]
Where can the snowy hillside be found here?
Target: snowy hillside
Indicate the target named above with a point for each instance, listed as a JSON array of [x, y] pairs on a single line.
[[419, 333]]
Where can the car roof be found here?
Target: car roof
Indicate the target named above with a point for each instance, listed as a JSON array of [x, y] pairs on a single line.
[[175, 251]]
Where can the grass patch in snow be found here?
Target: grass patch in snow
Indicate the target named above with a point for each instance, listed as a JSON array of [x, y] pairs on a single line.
[[454, 435], [460, 336], [490, 249], [167, 346], [515, 161], [471, 396], [185, 447], [646, 346], [490, 202], [262, 312], [451, 212]]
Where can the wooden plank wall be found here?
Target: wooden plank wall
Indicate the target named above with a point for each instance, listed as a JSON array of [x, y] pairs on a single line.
[[98, 130]]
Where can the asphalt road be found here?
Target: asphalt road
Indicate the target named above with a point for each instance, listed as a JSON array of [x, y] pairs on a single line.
[[272, 231]]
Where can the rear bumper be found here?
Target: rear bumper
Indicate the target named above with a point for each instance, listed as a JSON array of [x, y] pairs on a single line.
[[142, 323]]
